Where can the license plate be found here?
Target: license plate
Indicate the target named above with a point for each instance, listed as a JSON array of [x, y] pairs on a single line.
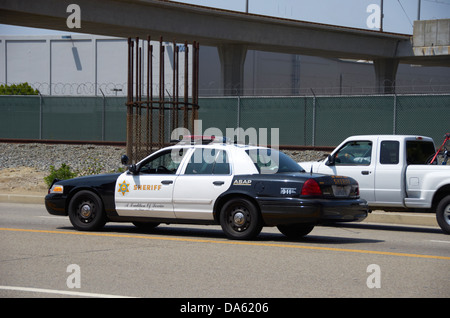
[[341, 191]]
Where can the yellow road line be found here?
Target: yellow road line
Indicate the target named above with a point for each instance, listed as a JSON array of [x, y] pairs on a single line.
[[147, 237]]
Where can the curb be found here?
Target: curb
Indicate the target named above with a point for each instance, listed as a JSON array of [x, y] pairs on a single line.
[[377, 216], [402, 218], [20, 198]]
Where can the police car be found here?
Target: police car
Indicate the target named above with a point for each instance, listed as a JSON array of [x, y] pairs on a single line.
[[243, 188]]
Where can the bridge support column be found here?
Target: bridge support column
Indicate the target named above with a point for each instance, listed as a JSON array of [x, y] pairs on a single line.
[[385, 73], [232, 58]]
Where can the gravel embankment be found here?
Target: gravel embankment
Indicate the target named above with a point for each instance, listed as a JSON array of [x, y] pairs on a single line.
[[80, 158], [83, 158], [24, 166]]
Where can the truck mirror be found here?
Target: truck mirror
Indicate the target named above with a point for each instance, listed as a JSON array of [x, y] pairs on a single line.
[[330, 160]]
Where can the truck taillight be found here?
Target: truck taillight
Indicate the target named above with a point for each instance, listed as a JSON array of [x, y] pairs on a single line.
[[311, 187]]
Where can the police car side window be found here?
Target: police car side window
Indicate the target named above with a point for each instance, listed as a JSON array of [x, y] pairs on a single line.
[[221, 164], [165, 163], [208, 161]]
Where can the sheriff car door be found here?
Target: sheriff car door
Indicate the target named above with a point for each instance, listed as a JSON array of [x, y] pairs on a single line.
[[206, 176], [148, 192]]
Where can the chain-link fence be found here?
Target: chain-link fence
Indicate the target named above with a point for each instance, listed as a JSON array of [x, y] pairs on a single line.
[[327, 120], [63, 118], [302, 121]]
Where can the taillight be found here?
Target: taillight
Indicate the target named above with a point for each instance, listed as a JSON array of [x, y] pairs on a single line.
[[311, 187]]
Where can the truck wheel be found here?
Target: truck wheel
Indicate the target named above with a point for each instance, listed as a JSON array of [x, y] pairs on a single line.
[[240, 219], [295, 231], [443, 214], [86, 211]]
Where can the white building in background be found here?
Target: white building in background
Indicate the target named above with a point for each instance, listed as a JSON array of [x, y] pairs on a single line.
[[76, 64], [79, 64]]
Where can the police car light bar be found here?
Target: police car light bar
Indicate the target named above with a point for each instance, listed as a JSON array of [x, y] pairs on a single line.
[[200, 139]]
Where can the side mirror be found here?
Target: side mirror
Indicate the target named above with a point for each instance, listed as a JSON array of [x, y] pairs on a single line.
[[330, 160], [131, 168], [124, 160]]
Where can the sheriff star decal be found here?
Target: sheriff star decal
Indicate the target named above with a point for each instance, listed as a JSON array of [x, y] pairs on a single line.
[[123, 187]]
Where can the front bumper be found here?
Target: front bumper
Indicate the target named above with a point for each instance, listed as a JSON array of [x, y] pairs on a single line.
[[56, 204], [315, 211]]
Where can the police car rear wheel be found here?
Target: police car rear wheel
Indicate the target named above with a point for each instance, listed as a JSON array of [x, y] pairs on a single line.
[[240, 219], [86, 211]]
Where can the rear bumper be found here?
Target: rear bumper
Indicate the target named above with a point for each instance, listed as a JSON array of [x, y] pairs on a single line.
[[292, 211]]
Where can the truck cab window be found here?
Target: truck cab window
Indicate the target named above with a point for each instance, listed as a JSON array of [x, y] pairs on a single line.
[[418, 152], [354, 153], [389, 152]]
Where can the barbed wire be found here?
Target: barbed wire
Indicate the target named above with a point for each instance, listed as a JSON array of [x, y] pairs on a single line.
[[213, 89]]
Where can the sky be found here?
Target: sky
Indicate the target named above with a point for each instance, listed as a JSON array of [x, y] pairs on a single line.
[[399, 15]]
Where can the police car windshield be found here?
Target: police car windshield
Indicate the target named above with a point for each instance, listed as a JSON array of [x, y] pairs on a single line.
[[272, 161]]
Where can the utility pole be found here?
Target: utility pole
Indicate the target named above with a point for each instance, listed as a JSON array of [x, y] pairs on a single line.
[[418, 9], [246, 6], [381, 16]]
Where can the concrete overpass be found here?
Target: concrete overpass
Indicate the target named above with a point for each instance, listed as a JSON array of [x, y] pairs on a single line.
[[233, 33]]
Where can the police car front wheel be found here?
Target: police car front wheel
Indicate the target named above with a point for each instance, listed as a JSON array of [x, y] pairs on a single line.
[[86, 211], [240, 219]]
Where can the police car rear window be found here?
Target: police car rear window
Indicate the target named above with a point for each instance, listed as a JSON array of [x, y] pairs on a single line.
[[272, 161]]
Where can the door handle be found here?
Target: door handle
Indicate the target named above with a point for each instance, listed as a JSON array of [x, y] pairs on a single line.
[[218, 183], [365, 172], [166, 182]]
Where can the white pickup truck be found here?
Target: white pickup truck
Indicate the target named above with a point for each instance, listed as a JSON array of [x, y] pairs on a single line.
[[393, 173]]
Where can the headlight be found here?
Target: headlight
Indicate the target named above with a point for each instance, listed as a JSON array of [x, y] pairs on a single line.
[[56, 188]]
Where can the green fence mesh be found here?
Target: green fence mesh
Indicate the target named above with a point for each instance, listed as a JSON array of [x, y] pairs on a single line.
[[301, 121]]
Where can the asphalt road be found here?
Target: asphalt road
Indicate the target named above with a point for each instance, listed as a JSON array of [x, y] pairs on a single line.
[[43, 256]]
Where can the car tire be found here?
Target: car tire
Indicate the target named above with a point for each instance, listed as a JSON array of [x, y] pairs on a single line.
[[86, 211], [295, 231], [443, 214], [240, 219]]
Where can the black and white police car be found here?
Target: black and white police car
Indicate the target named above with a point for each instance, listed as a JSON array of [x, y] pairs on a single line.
[[243, 188]]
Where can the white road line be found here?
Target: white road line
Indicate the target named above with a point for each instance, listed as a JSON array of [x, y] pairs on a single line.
[[61, 292], [51, 217], [437, 241]]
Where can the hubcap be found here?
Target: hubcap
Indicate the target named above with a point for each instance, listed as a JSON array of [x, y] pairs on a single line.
[[239, 218], [85, 211]]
